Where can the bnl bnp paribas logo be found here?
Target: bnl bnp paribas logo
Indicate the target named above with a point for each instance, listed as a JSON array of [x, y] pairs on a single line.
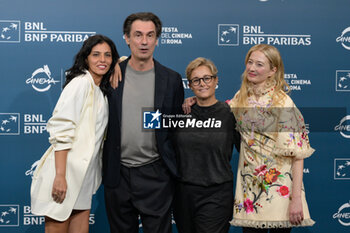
[[9, 216], [152, 120], [41, 79], [342, 80], [32, 123], [342, 169], [229, 35], [37, 32], [10, 31], [344, 38], [9, 124]]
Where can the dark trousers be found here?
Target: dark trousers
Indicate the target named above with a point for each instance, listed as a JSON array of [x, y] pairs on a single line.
[[146, 191], [272, 230], [200, 209]]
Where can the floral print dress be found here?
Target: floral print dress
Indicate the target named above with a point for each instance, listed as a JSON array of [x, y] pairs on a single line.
[[270, 138]]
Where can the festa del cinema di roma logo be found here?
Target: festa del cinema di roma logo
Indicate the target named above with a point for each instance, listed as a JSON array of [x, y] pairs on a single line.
[[41, 79]]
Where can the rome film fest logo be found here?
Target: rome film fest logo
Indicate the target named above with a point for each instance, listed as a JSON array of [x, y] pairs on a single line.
[[41, 79], [10, 31], [173, 36], [343, 214], [295, 82], [343, 127], [344, 38]]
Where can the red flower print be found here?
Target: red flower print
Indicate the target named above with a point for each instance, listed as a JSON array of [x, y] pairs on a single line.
[[248, 205], [284, 191], [300, 143], [260, 170], [271, 176], [304, 135]]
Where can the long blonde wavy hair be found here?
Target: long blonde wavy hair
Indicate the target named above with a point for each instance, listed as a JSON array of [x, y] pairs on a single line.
[[277, 79]]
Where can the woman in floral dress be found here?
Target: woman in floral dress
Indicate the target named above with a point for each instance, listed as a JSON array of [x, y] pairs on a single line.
[[269, 192]]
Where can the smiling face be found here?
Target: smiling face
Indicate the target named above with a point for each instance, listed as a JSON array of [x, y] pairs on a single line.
[[203, 91], [99, 60], [142, 40], [258, 68]]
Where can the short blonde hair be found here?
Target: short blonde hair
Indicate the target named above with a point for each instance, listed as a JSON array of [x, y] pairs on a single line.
[[200, 61]]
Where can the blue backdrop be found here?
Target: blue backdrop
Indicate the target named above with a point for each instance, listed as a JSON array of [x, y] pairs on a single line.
[[39, 38]]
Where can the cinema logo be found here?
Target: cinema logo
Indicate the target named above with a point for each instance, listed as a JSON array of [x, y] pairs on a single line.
[[343, 214], [37, 32], [344, 38], [41, 79], [34, 124], [344, 127], [172, 35], [228, 34]]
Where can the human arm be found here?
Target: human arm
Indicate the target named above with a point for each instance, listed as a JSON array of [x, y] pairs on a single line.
[[116, 77], [188, 103], [296, 215], [62, 128], [59, 188], [237, 140]]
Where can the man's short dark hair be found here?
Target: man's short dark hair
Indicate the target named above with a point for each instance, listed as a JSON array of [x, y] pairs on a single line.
[[143, 16]]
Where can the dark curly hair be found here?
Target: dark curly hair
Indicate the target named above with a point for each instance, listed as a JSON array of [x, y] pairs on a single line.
[[80, 64]]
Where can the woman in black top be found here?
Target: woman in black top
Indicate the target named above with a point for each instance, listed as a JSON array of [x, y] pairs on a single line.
[[204, 144]]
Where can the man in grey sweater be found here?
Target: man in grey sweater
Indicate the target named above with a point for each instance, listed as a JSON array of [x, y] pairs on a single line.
[[139, 166]]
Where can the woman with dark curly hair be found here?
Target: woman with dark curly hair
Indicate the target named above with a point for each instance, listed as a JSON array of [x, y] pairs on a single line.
[[69, 172]]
